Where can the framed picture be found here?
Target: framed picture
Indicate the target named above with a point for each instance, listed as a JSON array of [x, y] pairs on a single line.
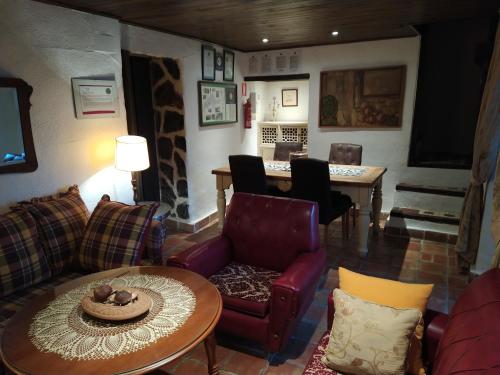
[[289, 97], [218, 103], [208, 62], [228, 65], [362, 98], [95, 98], [219, 61]]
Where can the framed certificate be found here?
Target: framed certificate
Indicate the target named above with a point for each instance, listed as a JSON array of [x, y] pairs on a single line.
[[208, 62], [95, 98], [217, 103], [228, 65], [289, 98]]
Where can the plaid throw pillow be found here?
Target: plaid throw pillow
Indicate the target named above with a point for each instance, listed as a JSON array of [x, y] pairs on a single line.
[[22, 260], [61, 220], [115, 235]]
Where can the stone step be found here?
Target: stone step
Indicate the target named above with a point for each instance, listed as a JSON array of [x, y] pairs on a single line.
[[426, 215], [447, 205]]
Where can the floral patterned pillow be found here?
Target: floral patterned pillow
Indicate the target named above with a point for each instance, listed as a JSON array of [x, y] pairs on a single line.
[[368, 338]]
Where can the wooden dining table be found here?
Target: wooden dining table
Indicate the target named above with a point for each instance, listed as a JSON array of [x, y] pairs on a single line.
[[364, 189]]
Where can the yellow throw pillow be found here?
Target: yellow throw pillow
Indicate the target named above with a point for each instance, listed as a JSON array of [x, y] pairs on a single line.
[[394, 294], [368, 338]]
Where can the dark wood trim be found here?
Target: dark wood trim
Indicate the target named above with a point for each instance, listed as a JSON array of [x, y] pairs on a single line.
[[128, 92], [278, 77], [24, 92], [437, 190]]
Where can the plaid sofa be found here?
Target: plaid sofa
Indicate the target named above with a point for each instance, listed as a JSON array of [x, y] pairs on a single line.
[[14, 299]]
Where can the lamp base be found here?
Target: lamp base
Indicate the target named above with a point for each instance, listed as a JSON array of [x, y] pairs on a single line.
[[134, 187]]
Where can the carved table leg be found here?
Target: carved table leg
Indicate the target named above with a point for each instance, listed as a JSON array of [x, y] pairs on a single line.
[[362, 228], [377, 207], [210, 345], [221, 207], [365, 195]]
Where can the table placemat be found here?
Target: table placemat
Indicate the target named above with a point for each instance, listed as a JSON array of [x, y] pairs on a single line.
[[354, 171], [63, 328]]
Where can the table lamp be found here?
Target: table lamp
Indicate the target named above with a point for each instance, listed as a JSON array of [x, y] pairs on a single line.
[[132, 156]]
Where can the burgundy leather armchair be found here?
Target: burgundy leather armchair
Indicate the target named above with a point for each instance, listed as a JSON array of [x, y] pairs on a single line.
[[465, 342], [266, 263]]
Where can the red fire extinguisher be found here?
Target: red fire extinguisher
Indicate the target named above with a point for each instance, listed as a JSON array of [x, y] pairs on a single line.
[[247, 111]]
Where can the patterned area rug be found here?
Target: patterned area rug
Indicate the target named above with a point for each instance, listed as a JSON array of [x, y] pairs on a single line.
[[354, 171]]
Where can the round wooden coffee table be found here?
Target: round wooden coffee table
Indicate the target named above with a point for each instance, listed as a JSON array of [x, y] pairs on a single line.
[[22, 357]]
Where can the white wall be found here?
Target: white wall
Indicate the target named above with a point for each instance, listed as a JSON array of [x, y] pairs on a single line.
[[273, 90], [207, 147], [46, 46], [388, 148]]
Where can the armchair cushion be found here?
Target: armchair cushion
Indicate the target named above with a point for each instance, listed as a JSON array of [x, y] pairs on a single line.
[[245, 288]]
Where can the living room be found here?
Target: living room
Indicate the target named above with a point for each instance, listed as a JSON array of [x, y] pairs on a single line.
[[50, 45]]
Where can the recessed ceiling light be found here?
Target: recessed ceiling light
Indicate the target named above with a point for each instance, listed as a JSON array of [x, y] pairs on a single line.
[[335, 33], [265, 40]]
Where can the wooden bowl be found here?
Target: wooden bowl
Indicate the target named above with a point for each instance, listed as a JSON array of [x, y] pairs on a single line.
[[109, 311]]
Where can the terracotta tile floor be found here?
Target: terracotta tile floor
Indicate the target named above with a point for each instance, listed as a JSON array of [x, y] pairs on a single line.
[[409, 260]]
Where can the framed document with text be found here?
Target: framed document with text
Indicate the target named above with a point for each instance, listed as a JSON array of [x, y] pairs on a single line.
[[95, 98], [218, 103]]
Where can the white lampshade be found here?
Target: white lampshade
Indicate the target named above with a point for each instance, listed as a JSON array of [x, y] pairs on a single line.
[[131, 153]]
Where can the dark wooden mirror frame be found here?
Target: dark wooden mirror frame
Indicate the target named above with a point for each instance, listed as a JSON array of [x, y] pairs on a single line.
[[24, 92]]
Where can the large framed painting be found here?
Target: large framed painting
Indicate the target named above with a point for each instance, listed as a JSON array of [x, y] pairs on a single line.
[[362, 98], [218, 103]]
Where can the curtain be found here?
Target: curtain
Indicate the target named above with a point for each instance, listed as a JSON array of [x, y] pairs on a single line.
[[486, 143], [495, 224]]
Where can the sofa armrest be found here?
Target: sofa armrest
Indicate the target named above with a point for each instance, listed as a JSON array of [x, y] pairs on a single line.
[[206, 258], [433, 332], [292, 293], [155, 239]]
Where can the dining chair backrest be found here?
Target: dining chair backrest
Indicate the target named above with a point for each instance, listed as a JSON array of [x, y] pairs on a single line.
[[311, 181], [345, 153], [248, 174], [282, 150]]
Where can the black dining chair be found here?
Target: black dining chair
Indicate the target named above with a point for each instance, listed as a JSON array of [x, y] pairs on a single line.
[[282, 150], [249, 176], [311, 181]]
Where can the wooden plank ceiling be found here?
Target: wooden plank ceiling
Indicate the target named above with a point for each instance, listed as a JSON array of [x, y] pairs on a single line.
[[242, 24]]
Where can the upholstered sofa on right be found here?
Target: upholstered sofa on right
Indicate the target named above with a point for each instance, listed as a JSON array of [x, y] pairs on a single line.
[[465, 342]]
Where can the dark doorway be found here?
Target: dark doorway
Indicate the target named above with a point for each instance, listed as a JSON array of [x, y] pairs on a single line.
[[140, 118], [453, 66]]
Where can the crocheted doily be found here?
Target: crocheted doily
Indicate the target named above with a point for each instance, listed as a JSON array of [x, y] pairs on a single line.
[[63, 328], [334, 170]]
